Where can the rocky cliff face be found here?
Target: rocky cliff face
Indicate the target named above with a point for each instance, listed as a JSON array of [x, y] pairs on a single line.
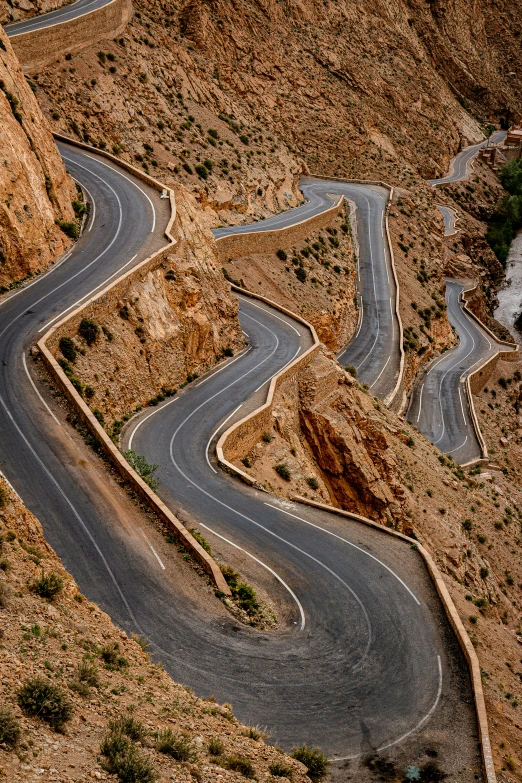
[[161, 326], [35, 190]]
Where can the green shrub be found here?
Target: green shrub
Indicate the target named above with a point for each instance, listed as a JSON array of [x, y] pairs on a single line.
[[47, 585], [88, 673], [281, 254], [89, 330], [179, 746], [300, 273], [314, 760], [215, 746], [130, 726], [39, 698], [280, 770], [283, 470], [142, 468], [9, 728], [484, 572], [467, 524], [68, 349], [312, 482], [201, 171], [212, 132], [70, 229], [125, 760], [240, 764], [202, 541], [110, 654], [267, 437]]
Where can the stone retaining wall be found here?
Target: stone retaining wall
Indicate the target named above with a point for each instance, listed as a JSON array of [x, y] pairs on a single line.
[[37, 48], [261, 242]]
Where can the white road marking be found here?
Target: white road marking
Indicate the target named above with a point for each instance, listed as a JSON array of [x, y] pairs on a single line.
[[223, 367], [82, 270], [277, 373], [132, 183], [142, 421], [340, 538], [40, 24], [215, 433], [458, 447], [462, 407], [381, 372], [37, 280], [153, 550], [39, 395], [273, 315], [86, 296]]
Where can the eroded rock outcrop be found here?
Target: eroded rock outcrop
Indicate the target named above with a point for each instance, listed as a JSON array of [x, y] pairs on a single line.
[[159, 326], [35, 189]]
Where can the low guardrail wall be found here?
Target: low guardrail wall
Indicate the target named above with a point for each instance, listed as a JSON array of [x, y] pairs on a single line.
[[113, 454], [475, 381], [37, 48], [250, 242]]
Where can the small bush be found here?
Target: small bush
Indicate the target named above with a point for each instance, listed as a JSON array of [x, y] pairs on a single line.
[[130, 726], [201, 171], [39, 698], [89, 330], [267, 437], [125, 760], [351, 369], [484, 572], [142, 468], [467, 524], [179, 746], [202, 541], [283, 470], [280, 770], [88, 673], [68, 349], [312, 482], [70, 229], [110, 654], [240, 764], [48, 585], [215, 746], [281, 254], [9, 728], [4, 497], [314, 760], [255, 733], [300, 273]]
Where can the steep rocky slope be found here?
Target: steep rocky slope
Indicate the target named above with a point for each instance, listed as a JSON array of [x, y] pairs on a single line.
[[35, 190], [50, 632], [159, 328]]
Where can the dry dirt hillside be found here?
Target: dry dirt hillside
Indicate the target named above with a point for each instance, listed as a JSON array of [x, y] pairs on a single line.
[[35, 190], [79, 699]]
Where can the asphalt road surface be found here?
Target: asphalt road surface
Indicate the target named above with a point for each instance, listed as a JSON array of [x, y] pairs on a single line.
[[64, 14], [439, 406], [449, 215], [364, 658], [374, 349], [460, 163]]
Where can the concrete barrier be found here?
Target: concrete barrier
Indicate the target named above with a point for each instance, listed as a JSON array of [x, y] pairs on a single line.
[[240, 437], [250, 242], [142, 490], [37, 48], [455, 621], [476, 380]]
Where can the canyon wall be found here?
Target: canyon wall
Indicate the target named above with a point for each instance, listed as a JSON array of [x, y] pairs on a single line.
[[35, 189]]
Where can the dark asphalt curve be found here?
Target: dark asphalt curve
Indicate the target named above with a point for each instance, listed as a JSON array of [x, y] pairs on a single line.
[[374, 350], [59, 16], [346, 672], [439, 406], [460, 163]]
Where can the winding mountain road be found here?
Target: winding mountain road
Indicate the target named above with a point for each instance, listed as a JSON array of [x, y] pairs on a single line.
[[439, 405], [364, 659]]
